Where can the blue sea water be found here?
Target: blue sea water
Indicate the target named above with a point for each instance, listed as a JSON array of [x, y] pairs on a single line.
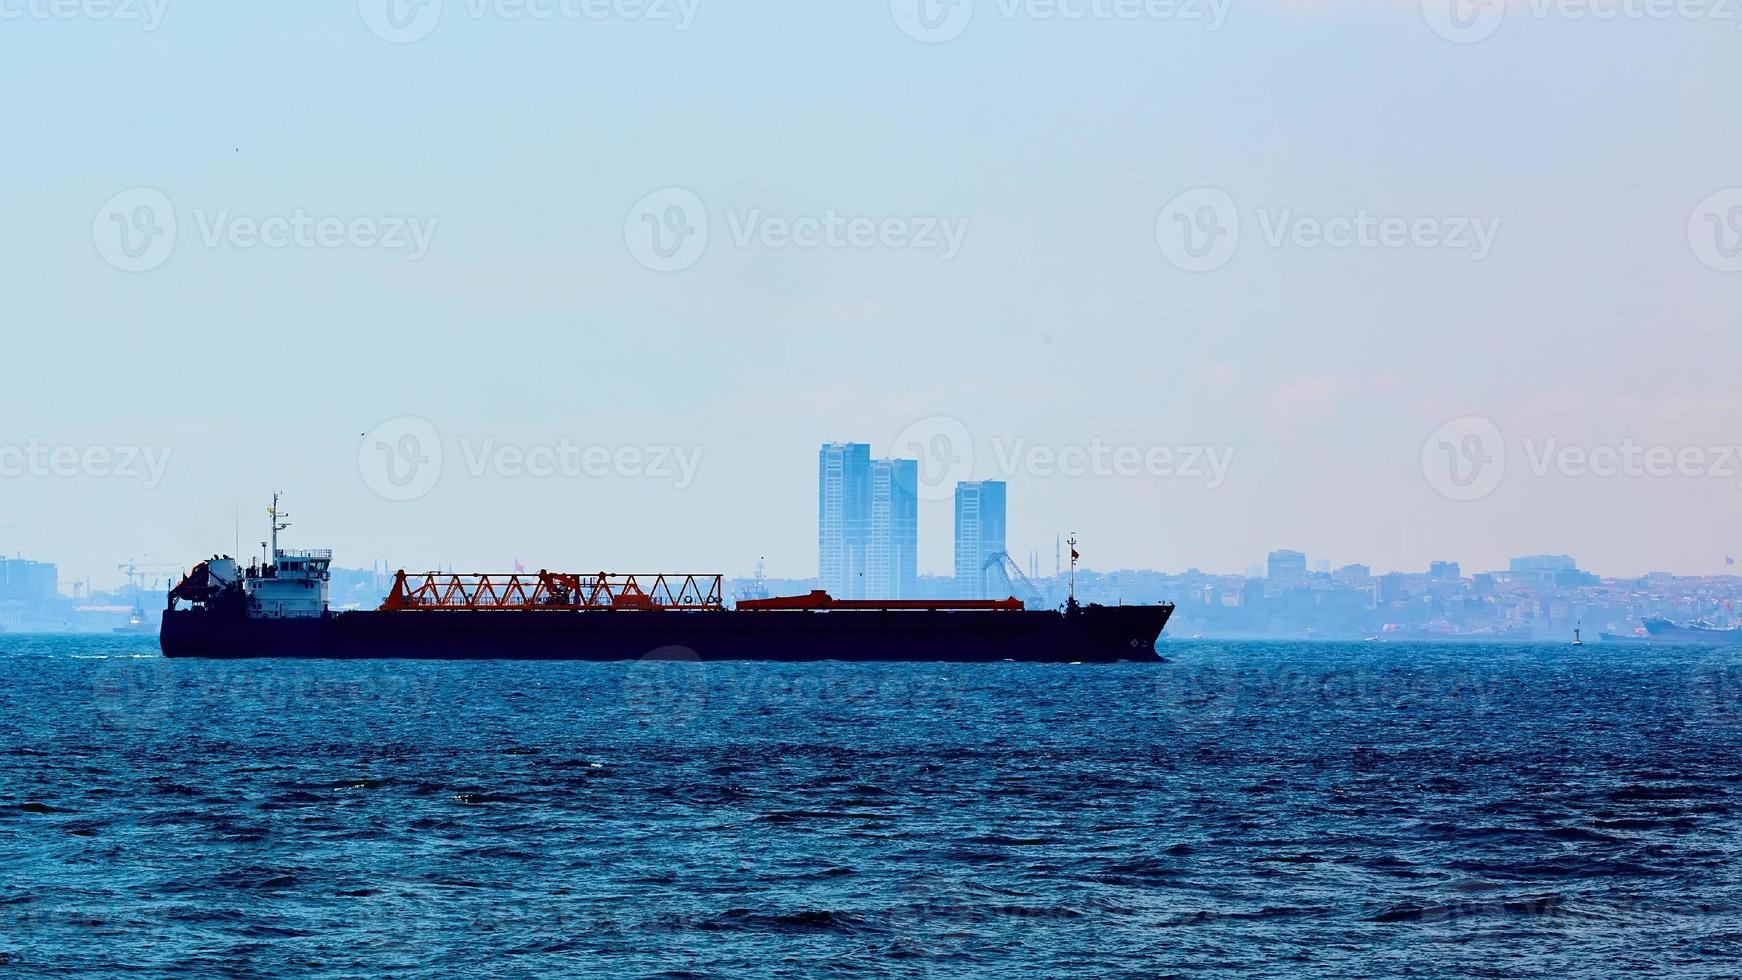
[[1260, 809]]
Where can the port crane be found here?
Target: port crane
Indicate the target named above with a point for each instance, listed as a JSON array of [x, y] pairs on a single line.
[[1000, 566], [137, 574]]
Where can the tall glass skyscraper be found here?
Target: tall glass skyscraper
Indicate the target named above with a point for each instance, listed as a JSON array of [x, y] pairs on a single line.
[[843, 517], [979, 533], [892, 557]]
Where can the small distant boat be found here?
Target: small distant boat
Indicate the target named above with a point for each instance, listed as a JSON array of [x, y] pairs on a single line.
[[1577, 641], [136, 624]]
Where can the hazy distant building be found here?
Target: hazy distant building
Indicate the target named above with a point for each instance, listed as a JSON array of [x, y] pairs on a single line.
[[1393, 587], [1286, 567], [1353, 574], [843, 517], [980, 512], [28, 581], [1543, 563], [1547, 570], [892, 548], [1445, 571], [28, 592]]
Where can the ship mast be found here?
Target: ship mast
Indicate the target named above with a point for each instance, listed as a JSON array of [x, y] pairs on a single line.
[[278, 524], [1073, 543]]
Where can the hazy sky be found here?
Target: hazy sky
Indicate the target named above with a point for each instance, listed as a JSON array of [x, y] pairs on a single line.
[[608, 277]]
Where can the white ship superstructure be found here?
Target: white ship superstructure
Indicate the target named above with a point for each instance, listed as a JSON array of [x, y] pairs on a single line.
[[287, 584]]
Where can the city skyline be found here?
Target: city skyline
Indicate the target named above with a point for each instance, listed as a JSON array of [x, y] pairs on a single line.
[[102, 571], [1533, 597]]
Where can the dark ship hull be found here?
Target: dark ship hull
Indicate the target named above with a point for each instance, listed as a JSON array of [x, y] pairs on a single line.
[[1100, 634]]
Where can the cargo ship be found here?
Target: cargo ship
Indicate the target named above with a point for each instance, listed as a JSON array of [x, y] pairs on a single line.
[[1663, 630], [277, 607]]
